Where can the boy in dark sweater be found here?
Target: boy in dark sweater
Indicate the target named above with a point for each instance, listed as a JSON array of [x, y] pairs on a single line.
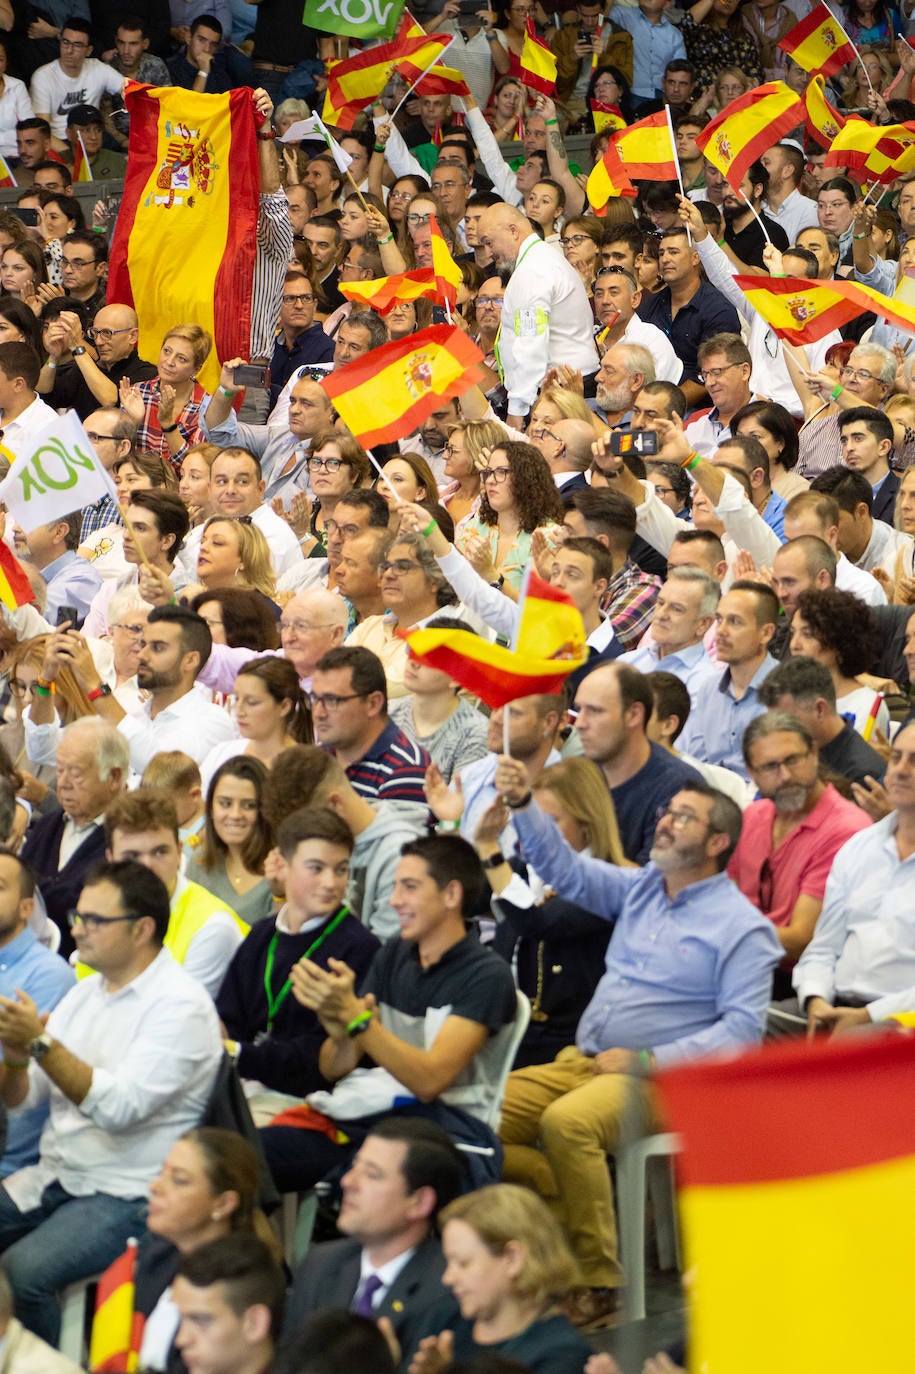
[[271, 1036]]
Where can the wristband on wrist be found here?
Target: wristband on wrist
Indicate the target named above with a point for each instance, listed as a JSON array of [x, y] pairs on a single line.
[[858, 237], [432, 525], [692, 461], [48, 686], [225, 391], [388, 238], [17, 1063], [721, 243], [548, 122], [44, 691], [49, 362], [379, 148], [447, 827], [169, 429], [836, 391], [520, 805], [360, 1023], [645, 1058]]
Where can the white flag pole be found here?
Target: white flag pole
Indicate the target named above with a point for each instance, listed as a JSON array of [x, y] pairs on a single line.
[[406, 95]]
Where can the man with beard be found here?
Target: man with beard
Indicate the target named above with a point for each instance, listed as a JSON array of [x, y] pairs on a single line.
[[742, 232], [790, 835], [546, 316], [624, 370], [175, 647], [650, 1007]]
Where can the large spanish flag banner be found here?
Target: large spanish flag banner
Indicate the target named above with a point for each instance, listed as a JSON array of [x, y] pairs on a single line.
[[873, 152], [819, 43], [184, 245], [748, 127], [803, 311], [549, 645], [388, 393], [822, 120], [798, 1206], [117, 1329]]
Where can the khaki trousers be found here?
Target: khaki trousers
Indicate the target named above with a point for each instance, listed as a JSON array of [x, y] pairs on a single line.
[[575, 1116]]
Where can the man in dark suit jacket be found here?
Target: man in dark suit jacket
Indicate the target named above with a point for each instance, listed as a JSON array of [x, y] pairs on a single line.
[[884, 507], [391, 1263], [566, 446], [93, 761]]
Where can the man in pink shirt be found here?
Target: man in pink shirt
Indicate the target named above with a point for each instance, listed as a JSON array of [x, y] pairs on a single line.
[[790, 835]]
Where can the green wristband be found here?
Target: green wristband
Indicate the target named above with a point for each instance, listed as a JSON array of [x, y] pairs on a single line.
[[432, 525], [645, 1058], [446, 827], [229, 394], [359, 1022], [388, 239], [548, 122], [17, 1063], [694, 460], [379, 148], [836, 391]]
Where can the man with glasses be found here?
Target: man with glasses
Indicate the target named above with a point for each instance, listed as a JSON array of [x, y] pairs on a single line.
[[84, 267], [790, 835], [299, 340], [725, 365], [127, 1061], [114, 335], [451, 183], [866, 379], [688, 972], [74, 79], [349, 705], [111, 432], [617, 297]]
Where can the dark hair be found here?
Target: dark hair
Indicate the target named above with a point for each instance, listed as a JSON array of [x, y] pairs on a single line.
[[142, 808], [674, 397], [451, 858], [768, 609], [608, 511], [170, 514], [675, 476], [634, 690], [372, 323], [73, 21], [776, 420], [26, 876], [708, 537], [96, 243], [69, 206], [848, 189], [247, 1271], [327, 161], [195, 637], [367, 498], [810, 260], [366, 670], [751, 450], [818, 556], [670, 698], [292, 783], [801, 678], [630, 234], [53, 309], [20, 360], [132, 23], [151, 465], [239, 451], [680, 64], [313, 823], [725, 817], [231, 1166], [140, 892], [18, 314], [331, 1340], [534, 491], [844, 623], [208, 21], [848, 489], [660, 196], [259, 843], [879, 425], [599, 554], [282, 682], [33, 122], [248, 621]]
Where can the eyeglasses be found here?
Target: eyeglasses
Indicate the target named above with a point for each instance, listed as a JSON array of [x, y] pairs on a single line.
[[495, 474], [135, 631], [713, 373], [679, 819], [296, 300], [317, 463], [19, 688], [573, 240], [415, 218], [399, 566], [93, 922], [102, 335], [489, 300], [540, 432], [853, 375], [101, 438], [77, 262], [329, 701], [302, 627], [401, 195], [772, 770], [663, 491]]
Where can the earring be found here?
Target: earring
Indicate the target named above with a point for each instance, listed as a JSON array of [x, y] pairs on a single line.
[[237, 571], [216, 1216]]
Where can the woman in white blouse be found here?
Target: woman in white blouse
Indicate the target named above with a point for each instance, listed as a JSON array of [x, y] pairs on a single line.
[[14, 105]]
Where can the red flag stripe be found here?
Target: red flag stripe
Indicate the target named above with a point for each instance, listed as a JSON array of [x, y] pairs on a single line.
[[236, 269]]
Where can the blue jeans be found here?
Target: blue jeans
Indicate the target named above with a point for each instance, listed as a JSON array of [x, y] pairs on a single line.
[[62, 1240]]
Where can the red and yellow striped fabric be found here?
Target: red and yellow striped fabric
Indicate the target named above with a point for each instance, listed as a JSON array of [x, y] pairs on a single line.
[[748, 127]]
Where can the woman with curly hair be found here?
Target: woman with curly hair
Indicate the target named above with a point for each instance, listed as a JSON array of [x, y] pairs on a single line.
[[838, 630], [519, 496], [237, 840]]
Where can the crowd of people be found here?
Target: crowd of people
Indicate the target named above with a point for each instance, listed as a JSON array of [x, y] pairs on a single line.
[[248, 835]]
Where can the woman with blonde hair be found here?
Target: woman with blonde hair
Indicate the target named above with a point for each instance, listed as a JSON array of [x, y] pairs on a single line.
[[556, 947], [557, 403], [49, 696], [233, 553], [508, 1266], [469, 441], [167, 410]]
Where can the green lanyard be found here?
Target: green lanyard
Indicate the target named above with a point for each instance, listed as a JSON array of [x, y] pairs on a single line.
[[274, 1003]]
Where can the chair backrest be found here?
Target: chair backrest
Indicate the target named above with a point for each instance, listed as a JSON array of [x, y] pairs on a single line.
[[507, 1041]]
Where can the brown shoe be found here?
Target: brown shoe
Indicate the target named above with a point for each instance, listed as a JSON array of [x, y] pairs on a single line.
[[593, 1309]]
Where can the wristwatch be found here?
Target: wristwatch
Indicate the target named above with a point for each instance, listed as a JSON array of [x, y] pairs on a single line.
[[41, 1045], [102, 690], [267, 135], [78, 351], [494, 861]]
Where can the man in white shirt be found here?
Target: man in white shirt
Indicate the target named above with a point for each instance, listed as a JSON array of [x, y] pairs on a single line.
[[545, 313], [177, 715], [22, 411], [128, 1060], [870, 544], [817, 513], [617, 296], [238, 489], [74, 79], [784, 202]]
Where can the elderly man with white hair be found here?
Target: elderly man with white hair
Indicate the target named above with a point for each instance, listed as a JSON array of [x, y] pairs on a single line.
[[312, 623]]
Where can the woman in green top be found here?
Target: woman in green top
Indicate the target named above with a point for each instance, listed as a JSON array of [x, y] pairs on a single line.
[[519, 496]]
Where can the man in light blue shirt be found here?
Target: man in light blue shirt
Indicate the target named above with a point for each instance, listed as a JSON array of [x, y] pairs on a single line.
[[45, 977], [726, 702], [70, 580], [655, 42], [688, 972], [684, 614]]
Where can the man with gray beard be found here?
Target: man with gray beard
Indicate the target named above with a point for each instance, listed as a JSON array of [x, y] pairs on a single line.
[[624, 370], [791, 835]]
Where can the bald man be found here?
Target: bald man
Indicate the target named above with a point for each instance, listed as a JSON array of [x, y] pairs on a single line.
[[115, 331], [546, 316], [566, 446]]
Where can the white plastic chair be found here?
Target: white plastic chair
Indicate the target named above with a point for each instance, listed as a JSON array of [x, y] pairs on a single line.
[[507, 1040], [642, 1165], [74, 1302]]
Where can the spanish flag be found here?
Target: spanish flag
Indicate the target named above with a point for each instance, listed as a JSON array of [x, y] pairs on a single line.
[[748, 127], [438, 81], [606, 116], [81, 168], [803, 311], [608, 179], [538, 65], [446, 271], [873, 152], [550, 644], [186, 233], [388, 393], [819, 43], [117, 1329], [6, 175], [384, 293], [822, 121], [356, 81], [646, 150], [797, 1195], [15, 588]]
